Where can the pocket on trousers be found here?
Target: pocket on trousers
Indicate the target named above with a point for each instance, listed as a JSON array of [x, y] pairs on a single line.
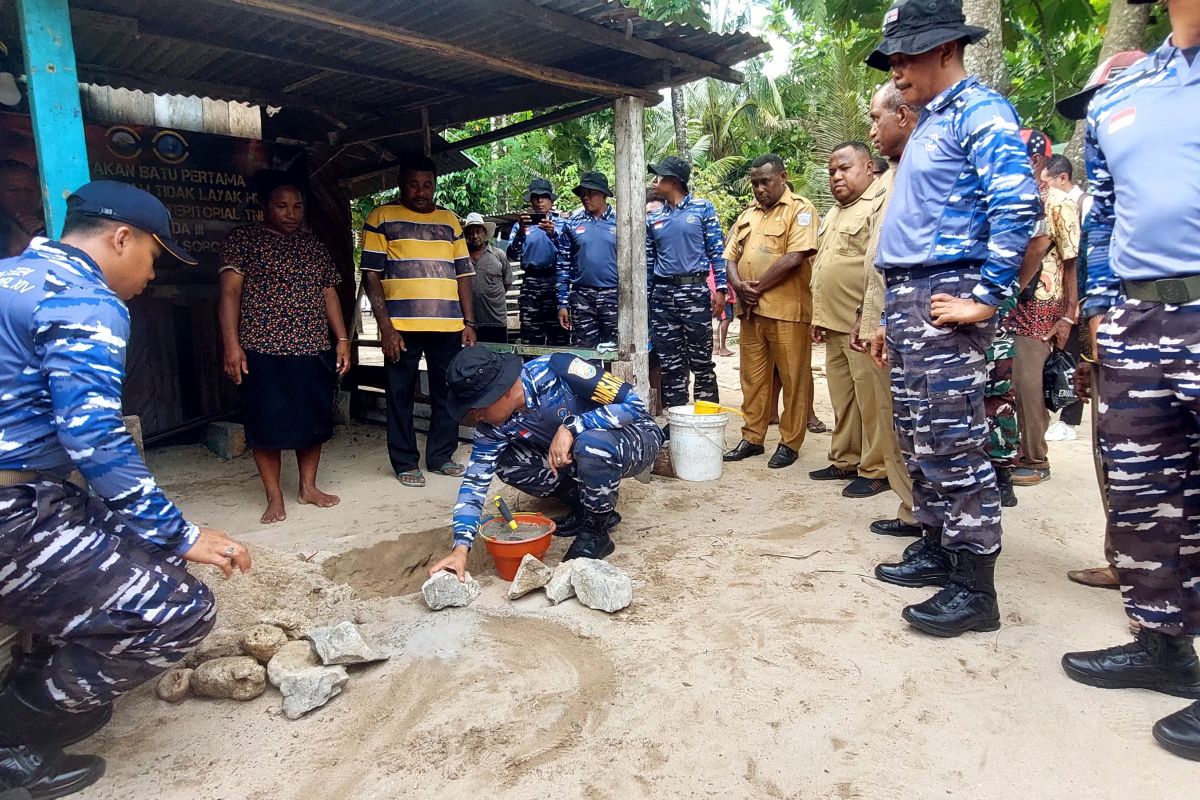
[[954, 417]]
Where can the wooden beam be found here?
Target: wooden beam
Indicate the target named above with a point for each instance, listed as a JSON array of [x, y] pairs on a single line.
[[356, 27], [633, 329], [53, 104], [594, 33], [531, 124]]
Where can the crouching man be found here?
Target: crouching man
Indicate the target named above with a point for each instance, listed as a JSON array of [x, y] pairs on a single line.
[[97, 579], [556, 426]]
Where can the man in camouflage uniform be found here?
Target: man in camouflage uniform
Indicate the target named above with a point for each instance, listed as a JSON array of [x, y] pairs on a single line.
[[97, 579], [947, 268], [683, 242], [1143, 308], [1000, 405], [555, 426], [587, 266], [536, 247]]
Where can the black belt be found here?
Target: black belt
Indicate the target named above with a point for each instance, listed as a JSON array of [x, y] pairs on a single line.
[[598, 288], [1175, 291], [682, 280], [894, 275]]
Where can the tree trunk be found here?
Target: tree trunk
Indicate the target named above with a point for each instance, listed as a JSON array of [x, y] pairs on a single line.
[[986, 57], [679, 118], [1126, 30]]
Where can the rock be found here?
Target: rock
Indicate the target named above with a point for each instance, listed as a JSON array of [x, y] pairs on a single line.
[[293, 658], [175, 684], [225, 439], [263, 642], [311, 689], [343, 644], [600, 585], [532, 574], [293, 623], [445, 590], [559, 587], [235, 678], [221, 644]]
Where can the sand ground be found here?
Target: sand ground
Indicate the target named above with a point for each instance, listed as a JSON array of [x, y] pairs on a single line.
[[758, 659]]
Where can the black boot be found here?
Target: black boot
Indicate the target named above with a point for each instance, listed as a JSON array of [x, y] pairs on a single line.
[[1155, 661], [928, 563], [1008, 496], [1180, 732], [30, 758], [572, 523], [968, 603], [592, 540], [27, 670]]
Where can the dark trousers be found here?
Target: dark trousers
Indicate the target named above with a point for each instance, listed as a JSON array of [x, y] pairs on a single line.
[[112, 610], [538, 303], [593, 316], [402, 379], [681, 331], [497, 334]]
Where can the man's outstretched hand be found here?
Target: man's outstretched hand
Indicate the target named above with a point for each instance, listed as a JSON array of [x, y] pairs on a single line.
[[211, 548], [456, 562]]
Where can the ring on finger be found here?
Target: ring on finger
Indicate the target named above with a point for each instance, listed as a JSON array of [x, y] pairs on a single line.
[[229, 551]]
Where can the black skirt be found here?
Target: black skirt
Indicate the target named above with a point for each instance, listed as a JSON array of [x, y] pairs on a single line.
[[287, 401]]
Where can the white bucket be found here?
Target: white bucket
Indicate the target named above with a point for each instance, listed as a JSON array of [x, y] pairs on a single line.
[[697, 443]]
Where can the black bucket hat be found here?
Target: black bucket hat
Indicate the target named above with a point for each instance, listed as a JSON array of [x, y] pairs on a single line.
[[477, 377], [672, 167], [540, 186], [592, 180], [913, 27]]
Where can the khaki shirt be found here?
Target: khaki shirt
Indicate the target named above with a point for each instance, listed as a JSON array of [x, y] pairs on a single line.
[[872, 303], [759, 238], [838, 283]]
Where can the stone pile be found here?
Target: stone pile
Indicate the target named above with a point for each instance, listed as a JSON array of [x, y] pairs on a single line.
[[597, 584]]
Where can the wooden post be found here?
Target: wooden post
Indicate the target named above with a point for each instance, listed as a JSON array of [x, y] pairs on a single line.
[[426, 133], [53, 104], [633, 331]]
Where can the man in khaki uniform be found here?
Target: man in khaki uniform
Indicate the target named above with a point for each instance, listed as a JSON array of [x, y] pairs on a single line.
[[861, 437], [768, 256]]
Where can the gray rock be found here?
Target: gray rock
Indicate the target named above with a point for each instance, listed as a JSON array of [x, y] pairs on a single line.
[[311, 689], [219, 644], [532, 574], [343, 644], [262, 642], [293, 658], [445, 590], [559, 587], [293, 623], [600, 585], [235, 678], [175, 684]]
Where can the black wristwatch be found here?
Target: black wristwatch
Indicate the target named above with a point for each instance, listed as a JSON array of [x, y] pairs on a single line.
[[573, 424], [470, 323]]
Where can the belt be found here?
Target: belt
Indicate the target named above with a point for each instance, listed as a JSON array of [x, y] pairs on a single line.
[[539, 272], [894, 275], [597, 288], [16, 477], [682, 280], [1175, 291]]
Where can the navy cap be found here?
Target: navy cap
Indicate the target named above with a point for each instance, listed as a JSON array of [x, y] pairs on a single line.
[[478, 377], [672, 167], [912, 27], [124, 202], [597, 181]]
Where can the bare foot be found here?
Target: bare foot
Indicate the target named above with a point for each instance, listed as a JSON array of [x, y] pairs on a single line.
[[315, 497], [275, 511], [725, 352]]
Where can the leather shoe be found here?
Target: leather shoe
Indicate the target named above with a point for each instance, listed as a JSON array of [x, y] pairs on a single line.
[[895, 527], [1154, 661], [1004, 482], [832, 473], [572, 523], [784, 457], [967, 603], [744, 449], [866, 487], [1180, 732], [592, 541], [926, 563]]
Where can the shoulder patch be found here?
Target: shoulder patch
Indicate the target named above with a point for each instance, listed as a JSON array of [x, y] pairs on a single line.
[[582, 369], [804, 218]]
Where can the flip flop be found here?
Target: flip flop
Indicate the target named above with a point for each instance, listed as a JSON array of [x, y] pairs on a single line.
[[1095, 577], [816, 426], [411, 478], [451, 469]]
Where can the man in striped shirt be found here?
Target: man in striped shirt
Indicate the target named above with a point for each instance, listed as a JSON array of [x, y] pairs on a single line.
[[417, 275]]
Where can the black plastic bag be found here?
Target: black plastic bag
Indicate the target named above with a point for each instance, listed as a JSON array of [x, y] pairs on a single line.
[[1058, 385]]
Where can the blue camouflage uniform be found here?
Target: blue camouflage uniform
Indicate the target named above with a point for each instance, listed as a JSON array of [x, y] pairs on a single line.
[[538, 253], [682, 244], [615, 438], [1142, 146], [99, 578], [587, 276], [964, 207]]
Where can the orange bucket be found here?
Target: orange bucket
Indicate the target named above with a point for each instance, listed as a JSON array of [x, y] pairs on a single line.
[[508, 555]]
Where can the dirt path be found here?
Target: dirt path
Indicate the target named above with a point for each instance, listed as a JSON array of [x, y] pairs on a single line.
[[757, 660]]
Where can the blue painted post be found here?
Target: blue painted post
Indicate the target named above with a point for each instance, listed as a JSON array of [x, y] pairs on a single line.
[[54, 104]]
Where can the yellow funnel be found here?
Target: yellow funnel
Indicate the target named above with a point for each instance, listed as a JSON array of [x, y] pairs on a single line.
[[709, 407]]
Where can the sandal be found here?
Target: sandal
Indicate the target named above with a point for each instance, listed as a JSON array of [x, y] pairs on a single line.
[[411, 478], [816, 426], [451, 469], [1095, 577]]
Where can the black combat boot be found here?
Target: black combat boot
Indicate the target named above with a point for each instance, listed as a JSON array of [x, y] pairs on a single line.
[[26, 672], [1180, 732], [31, 759], [1008, 496], [968, 603], [571, 524], [1155, 661], [925, 563], [592, 540]]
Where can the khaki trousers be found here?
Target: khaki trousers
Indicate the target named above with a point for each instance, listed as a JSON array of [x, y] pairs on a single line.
[[893, 458], [1033, 418], [766, 345], [861, 437]]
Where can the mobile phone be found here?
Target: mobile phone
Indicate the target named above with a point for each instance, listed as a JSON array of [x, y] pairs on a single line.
[[535, 219]]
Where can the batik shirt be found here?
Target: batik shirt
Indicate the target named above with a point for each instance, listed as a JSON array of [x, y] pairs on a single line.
[[686, 240], [964, 192], [556, 387], [1142, 145], [587, 253], [62, 364]]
